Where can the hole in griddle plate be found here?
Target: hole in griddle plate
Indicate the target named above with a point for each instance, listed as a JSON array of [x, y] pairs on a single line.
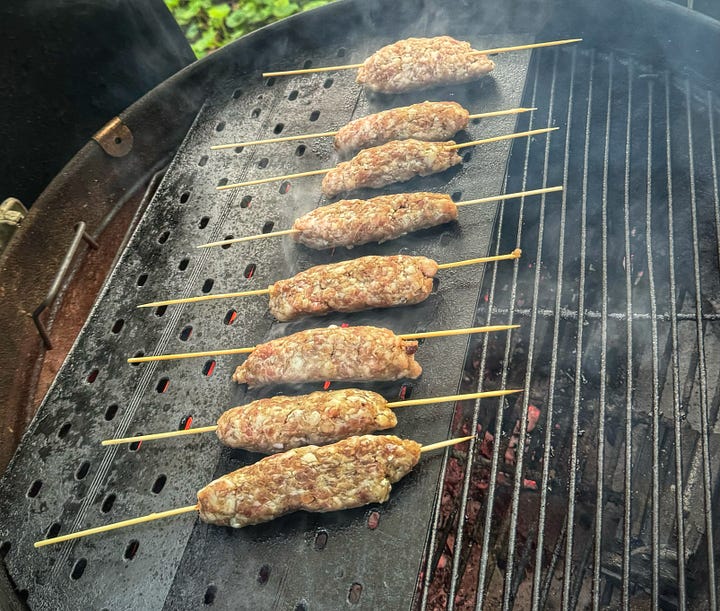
[[293, 95], [210, 594], [355, 593], [230, 316], [183, 265], [342, 51], [373, 520], [78, 569], [238, 149], [220, 126], [202, 161], [467, 156], [255, 113], [108, 503], [82, 470], [163, 237], [250, 271], [245, 201], [92, 376], [284, 187], [222, 182], [208, 368], [162, 385], [263, 163], [119, 324], [278, 128], [186, 333], [308, 64], [456, 196], [111, 411], [203, 222], [476, 121], [64, 430], [131, 549], [5, 548], [23, 595], [236, 94], [135, 445], [300, 150], [436, 284], [270, 82], [137, 355], [267, 227], [184, 197], [227, 237], [314, 115], [160, 311], [321, 539], [52, 530], [159, 484], [34, 489], [185, 423], [301, 606], [142, 279], [406, 391], [207, 285], [263, 573], [328, 83]]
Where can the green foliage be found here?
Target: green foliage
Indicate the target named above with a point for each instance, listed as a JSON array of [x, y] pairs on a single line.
[[209, 24]]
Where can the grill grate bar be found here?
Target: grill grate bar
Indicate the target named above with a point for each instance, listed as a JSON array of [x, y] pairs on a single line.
[[655, 366], [627, 508], [716, 199], [677, 405], [572, 315], [492, 486], [704, 418], [569, 539], [508, 593], [600, 485]]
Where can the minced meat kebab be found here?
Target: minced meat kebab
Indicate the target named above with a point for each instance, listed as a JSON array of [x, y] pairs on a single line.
[[349, 354], [350, 473]]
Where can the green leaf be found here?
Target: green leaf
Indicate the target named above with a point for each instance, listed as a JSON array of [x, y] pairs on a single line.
[[218, 12], [236, 19], [283, 8], [315, 4]]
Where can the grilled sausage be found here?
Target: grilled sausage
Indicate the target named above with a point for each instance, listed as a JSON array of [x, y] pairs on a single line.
[[346, 474], [280, 423], [351, 286], [429, 121], [396, 161], [334, 353], [355, 222], [419, 63]]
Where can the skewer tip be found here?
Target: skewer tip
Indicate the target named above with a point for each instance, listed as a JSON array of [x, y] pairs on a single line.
[[517, 253]]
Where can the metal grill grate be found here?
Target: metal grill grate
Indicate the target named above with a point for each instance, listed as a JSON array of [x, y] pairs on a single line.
[[607, 498]]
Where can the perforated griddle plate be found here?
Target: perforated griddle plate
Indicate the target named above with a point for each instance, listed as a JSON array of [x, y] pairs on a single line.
[[62, 480]]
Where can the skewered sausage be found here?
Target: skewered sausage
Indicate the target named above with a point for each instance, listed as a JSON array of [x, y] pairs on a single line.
[[429, 121], [333, 353], [396, 161], [355, 222], [349, 473], [419, 63], [283, 422], [351, 286]]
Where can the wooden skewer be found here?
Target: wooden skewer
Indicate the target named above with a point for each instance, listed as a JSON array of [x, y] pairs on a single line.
[[393, 405], [260, 181], [189, 508], [470, 202], [536, 45], [515, 254], [482, 115], [189, 355]]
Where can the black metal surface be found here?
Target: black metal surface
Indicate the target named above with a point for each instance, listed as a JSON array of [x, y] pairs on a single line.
[[61, 479]]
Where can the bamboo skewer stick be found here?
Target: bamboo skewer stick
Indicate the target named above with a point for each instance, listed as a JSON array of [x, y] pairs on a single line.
[[189, 355], [536, 45], [481, 115], [392, 405], [261, 181], [189, 508], [470, 202], [515, 254]]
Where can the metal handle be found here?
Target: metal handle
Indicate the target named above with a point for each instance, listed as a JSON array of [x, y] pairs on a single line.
[[80, 234]]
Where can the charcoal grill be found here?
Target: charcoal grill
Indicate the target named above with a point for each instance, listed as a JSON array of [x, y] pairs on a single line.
[[604, 496]]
